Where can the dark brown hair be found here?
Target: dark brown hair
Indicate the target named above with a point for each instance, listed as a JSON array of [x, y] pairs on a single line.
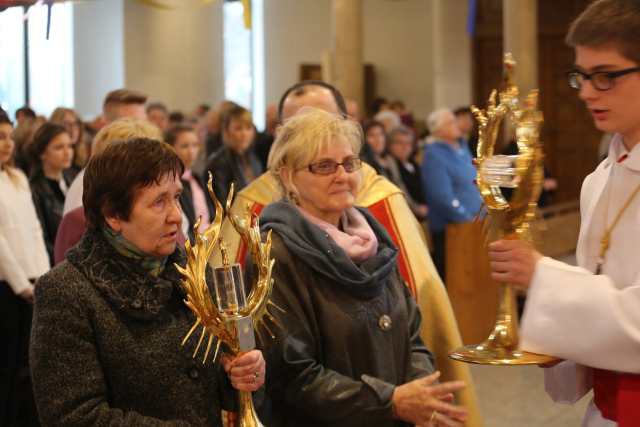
[[606, 22], [26, 111], [8, 167], [125, 96], [171, 136], [41, 140], [373, 124], [302, 87], [113, 177], [236, 113], [157, 106]]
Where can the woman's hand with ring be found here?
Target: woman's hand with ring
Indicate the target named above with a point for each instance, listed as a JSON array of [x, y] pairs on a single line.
[[424, 402], [246, 371]]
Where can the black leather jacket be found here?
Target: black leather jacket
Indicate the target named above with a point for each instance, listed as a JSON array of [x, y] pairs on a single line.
[[49, 207], [225, 166], [339, 357]]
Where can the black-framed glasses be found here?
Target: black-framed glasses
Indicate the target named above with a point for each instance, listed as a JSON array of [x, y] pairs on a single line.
[[328, 166], [601, 80]]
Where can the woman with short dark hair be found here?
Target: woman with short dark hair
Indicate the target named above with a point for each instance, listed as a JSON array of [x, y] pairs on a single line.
[[52, 153], [109, 320]]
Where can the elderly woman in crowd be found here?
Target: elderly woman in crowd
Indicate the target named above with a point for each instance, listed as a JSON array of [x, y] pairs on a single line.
[[448, 177], [23, 258], [108, 321], [401, 148], [351, 352], [73, 222]]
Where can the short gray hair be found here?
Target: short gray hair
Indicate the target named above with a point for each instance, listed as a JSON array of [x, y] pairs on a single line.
[[434, 121], [399, 130]]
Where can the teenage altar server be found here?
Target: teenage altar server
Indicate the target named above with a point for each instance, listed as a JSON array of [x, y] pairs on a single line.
[[590, 315]]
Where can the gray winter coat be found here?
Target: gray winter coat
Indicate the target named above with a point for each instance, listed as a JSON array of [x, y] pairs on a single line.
[[105, 346]]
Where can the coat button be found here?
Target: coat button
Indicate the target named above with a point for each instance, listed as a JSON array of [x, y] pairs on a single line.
[[194, 374], [136, 303], [384, 322]]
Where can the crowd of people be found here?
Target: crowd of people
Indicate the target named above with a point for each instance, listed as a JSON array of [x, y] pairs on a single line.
[[224, 141], [81, 195], [429, 167]]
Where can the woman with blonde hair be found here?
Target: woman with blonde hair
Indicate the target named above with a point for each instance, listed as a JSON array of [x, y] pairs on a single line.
[[118, 130], [351, 352], [23, 258]]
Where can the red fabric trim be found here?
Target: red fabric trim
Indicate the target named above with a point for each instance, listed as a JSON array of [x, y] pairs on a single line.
[[241, 253], [383, 214], [617, 396], [232, 419]]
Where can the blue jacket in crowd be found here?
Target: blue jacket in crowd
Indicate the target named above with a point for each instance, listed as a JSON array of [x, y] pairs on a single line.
[[448, 177]]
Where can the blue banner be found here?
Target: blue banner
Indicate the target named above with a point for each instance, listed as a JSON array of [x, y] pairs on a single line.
[[471, 17]]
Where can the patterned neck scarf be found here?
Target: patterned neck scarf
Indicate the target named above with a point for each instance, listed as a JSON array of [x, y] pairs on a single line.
[[127, 249]]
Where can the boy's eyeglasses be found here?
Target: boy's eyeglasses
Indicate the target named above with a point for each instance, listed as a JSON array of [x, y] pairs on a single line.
[[328, 167], [601, 80]]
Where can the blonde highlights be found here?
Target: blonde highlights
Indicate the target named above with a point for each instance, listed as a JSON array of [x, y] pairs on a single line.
[[123, 130], [303, 136]]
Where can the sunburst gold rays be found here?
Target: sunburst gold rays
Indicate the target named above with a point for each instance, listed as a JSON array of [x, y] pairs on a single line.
[[215, 328]]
